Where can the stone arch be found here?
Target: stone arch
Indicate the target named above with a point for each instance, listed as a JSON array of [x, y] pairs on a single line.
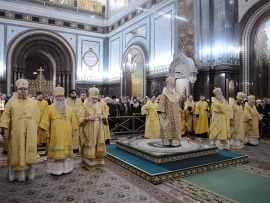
[[54, 47], [251, 22]]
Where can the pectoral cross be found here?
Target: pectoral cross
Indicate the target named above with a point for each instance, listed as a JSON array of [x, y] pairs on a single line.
[[40, 70]]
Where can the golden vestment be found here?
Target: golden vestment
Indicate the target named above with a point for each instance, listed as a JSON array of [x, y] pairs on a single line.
[[220, 121], [74, 104], [184, 116], [20, 118], [152, 126], [169, 105], [60, 126], [255, 117], [105, 109], [191, 124], [92, 136], [59, 150], [42, 105], [238, 129], [202, 109]]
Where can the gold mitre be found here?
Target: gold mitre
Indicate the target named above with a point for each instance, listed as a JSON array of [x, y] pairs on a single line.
[[241, 95], [22, 83], [93, 92], [217, 91], [251, 98], [59, 91], [170, 80]]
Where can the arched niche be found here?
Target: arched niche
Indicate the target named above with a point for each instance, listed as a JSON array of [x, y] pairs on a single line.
[[53, 51], [134, 71], [252, 23]]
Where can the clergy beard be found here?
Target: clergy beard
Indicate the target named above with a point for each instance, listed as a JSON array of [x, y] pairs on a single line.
[[93, 105], [60, 105], [74, 97], [171, 90]]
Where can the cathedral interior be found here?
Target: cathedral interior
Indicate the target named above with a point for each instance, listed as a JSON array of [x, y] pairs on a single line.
[[130, 47]]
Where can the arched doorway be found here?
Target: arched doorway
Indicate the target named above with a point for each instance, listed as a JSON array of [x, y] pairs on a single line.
[[253, 58], [41, 48], [134, 69]]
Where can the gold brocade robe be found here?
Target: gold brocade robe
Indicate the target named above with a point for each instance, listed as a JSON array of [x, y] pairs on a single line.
[[220, 121], [240, 117], [191, 124], [75, 104], [202, 109], [20, 118], [60, 126], [42, 105], [255, 117], [152, 126], [169, 105], [92, 136], [105, 109]]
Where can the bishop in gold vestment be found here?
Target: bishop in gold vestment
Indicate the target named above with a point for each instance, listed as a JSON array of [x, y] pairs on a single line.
[[42, 105], [239, 119], [220, 121], [20, 122], [170, 129], [92, 136], [201, 112], [74, 103], [60, 123], [252, 124], [152, 126]]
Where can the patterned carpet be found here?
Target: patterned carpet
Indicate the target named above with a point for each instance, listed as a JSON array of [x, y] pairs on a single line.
[[104, 185]]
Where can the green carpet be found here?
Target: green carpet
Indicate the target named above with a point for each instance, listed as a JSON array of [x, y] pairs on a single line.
[[233, 183]]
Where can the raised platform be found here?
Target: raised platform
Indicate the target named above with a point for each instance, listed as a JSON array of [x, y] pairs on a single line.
[[152, 150], [160, 172]]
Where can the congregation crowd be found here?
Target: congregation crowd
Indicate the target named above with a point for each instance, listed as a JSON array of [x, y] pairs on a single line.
[[81, 124]]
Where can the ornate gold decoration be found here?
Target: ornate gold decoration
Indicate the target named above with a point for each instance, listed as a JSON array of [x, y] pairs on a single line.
[[90, 58], [40, 84]]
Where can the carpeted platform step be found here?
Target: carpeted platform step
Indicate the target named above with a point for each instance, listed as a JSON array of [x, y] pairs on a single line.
[[160, 172]]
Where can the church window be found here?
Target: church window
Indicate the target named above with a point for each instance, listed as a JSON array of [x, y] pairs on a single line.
[[80, 26], [2, 13], [66, 24], [35, 19], [52, 22], [18, 16]]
